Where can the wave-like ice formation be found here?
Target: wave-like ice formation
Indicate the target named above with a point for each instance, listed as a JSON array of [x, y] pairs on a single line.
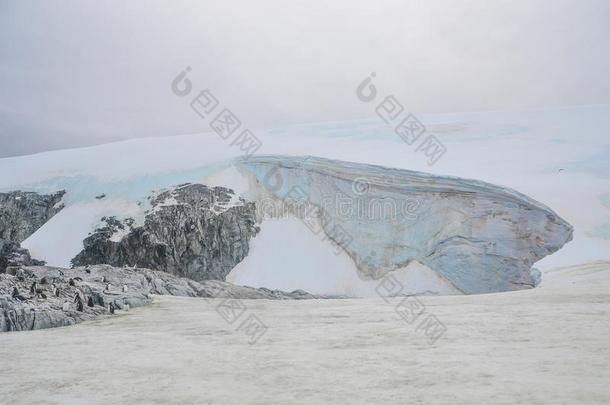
[[480, 237]]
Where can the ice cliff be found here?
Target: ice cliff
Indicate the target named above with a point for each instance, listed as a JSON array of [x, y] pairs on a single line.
[[480, 237]]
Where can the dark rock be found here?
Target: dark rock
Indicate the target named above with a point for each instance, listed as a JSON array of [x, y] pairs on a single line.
[[11, 254], [22, 214], [22, 311], [192, 230]]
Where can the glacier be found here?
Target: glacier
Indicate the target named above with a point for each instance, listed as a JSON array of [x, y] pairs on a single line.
[[480, 237], [502, 148]]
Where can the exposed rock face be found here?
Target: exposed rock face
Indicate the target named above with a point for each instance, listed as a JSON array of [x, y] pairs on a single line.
[[480, 237], [11, 254], [193, 231], [21, 214], [101, 286]]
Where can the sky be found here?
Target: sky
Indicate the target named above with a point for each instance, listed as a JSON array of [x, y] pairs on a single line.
[[77, 73]]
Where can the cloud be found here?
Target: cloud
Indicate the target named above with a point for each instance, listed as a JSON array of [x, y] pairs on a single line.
[[79, 73]]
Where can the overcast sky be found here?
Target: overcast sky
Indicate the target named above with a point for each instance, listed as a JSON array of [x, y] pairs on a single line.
[[76, 73]]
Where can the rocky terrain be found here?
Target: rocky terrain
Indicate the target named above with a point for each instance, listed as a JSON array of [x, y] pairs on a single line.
[[192, 231], [41, 297], [480, 237], [12, 254], [22, 214]]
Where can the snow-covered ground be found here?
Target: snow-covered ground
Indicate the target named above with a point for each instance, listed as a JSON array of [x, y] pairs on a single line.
[[559, 157], [548, 345]]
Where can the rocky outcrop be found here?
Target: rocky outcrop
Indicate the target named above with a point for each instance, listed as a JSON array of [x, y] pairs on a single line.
[[12, 254], [192, 231], [22, 214], [45, 297], [480, 237]]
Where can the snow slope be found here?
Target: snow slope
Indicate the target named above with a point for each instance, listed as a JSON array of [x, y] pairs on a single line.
[[286, 255], [559, 157]]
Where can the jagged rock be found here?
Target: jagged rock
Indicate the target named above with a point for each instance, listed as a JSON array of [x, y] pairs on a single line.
[[478, 236], [11, 254], [22, 214], [192, 230], [103, 286]]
